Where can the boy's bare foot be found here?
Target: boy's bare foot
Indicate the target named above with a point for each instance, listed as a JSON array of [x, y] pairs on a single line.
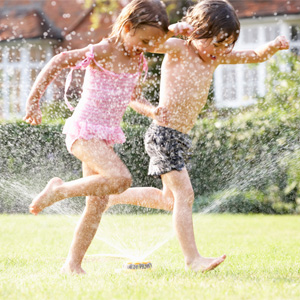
[[68, 268], [205, 264], [47, 197]]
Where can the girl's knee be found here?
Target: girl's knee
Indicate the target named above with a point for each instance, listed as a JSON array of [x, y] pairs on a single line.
[[118, 184], [125, 182]]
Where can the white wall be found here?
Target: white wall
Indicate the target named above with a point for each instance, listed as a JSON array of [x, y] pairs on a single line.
[[20, 62]]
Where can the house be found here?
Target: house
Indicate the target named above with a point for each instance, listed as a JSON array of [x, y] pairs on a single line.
[[32, 31]]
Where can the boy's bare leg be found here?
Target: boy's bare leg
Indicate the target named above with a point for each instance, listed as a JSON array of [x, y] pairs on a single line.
[[111, 176], [85, 230], [180, 185], [145, 196]]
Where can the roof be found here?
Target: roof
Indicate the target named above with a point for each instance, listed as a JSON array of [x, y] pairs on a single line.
[[23, 24], [66, 20], [55, 19], [263, 8]]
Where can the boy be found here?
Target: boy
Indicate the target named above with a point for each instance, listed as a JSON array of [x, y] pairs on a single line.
[[186, 76]]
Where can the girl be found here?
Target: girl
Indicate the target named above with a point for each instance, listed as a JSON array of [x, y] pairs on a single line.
[[113, 70]]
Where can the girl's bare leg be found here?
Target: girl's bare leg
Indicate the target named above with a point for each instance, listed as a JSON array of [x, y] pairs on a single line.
[[85, 230], [145, 196], [180, 185], [111, 176]]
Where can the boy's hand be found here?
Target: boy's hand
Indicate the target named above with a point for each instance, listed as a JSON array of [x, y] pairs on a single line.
[[281, 43], [161, 115], [181, 28], [33, 115]]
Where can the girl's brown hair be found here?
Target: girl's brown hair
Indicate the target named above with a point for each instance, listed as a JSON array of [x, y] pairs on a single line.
[[139, 13], [213, 18]]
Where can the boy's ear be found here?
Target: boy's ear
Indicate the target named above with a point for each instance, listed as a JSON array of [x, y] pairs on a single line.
[[127, 26]]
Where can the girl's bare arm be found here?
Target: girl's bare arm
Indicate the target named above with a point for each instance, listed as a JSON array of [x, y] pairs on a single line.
[[47, 75], [258, 55], [52, 69]]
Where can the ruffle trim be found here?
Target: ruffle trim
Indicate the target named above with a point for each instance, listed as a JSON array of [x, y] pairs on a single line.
[[88, 131]]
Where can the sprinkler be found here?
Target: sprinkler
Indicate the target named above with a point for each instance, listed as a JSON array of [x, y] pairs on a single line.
[[137, 265]]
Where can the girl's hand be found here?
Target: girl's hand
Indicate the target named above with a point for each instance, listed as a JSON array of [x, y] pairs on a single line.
[[182, 28], [161, 115], [281, 43], [33, 115]]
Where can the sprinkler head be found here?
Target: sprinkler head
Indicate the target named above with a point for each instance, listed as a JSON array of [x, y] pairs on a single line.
[[137, 265]]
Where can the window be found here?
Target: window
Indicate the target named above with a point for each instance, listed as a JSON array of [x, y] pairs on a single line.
[[19, 66], [250, 82], [271, 32], [295, 39], [229, 83], [249, 35], [14, 54]]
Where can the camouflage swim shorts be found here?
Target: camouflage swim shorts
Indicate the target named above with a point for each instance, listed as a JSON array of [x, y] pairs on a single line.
[[168, 149]]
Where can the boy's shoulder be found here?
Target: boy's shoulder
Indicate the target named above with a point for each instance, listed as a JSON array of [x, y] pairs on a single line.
[[176, 41]]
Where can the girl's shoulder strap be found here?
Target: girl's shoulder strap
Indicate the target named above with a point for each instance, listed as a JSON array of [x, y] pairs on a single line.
[[89, 57], [92, 51]]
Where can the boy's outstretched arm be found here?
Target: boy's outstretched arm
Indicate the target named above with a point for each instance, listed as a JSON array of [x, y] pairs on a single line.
[[257, 55], [267, 51]]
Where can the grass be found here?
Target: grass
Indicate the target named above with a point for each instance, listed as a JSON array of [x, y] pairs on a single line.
[[263, 259]]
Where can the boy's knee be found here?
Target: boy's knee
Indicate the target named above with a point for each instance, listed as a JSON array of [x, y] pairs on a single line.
[[190, 196]]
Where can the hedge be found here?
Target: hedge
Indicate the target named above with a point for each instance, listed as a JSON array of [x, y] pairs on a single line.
[[249, 154]]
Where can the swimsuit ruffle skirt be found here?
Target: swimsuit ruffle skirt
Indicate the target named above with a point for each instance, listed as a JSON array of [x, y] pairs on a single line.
[[104, 99]]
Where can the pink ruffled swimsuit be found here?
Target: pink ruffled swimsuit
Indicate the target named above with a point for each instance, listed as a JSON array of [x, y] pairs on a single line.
[[102, 105]]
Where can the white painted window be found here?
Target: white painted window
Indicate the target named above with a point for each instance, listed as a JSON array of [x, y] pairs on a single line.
[[240, 85], [19, 65]]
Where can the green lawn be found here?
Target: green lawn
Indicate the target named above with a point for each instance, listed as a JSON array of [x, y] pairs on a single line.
[[263, 258]]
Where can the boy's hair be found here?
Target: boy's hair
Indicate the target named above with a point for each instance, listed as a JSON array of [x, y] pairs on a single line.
[[210, 18], [141, 12]]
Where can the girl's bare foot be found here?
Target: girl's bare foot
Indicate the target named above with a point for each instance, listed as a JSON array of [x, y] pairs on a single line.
[[205, 264], [69, 268], [47, 197]]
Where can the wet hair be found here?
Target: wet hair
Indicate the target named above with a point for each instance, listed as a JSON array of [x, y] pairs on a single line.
[[213, 19], [141, 13]]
